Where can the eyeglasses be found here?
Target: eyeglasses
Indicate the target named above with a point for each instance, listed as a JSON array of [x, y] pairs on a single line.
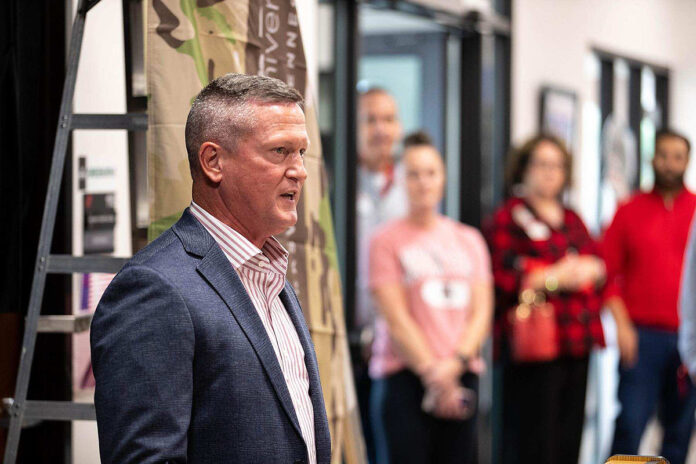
[[547, 166]]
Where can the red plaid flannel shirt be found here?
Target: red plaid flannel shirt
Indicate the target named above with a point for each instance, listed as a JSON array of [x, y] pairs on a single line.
[[577, 313]]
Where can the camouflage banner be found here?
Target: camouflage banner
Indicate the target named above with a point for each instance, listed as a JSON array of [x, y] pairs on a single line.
[[191, 42]]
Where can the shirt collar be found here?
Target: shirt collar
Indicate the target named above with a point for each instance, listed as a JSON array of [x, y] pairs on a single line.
[[678, 198], [238, 249]]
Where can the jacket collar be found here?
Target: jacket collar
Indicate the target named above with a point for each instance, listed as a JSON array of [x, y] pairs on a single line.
[[195, 239]]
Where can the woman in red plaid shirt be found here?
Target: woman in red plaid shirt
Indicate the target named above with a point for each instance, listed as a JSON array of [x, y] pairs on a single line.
[[545, 265]]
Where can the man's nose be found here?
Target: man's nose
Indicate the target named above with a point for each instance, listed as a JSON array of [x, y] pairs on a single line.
[[381, 125], [297, 168]]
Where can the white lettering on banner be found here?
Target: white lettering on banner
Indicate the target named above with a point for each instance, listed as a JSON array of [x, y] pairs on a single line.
[[260, 21], [271, 61], [292, 19], [291, 41], [273, 46], [272, 22]]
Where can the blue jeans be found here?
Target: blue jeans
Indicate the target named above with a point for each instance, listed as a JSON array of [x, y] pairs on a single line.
[[657, 381]]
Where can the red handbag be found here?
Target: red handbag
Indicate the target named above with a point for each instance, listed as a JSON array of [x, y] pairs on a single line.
[[533, 330]]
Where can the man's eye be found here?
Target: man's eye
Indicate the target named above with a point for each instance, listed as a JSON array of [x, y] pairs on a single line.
[[279, 150], [302, 152]]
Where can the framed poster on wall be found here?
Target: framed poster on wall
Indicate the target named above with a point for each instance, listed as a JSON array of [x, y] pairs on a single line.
[[557, 113]]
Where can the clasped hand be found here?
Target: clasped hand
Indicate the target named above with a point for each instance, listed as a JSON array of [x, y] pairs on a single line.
[[444, 396], [574, 272]]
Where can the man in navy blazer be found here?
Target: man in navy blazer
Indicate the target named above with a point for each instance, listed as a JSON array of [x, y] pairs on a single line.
[[197, 358]]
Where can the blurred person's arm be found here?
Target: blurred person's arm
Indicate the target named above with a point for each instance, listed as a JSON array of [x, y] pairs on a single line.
[[511, 270], [481, 318], [403, 330], [480, 322], [614, 253], [580, 269], [505, 260], [386, 277], [440, 376], [626, 333], [447, 372], [687, 306], [572, 272]]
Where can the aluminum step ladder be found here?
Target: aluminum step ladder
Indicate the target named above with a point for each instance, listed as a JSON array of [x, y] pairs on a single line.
[[22, 413]]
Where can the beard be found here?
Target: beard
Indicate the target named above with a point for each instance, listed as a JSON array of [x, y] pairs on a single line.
[[669, 181]]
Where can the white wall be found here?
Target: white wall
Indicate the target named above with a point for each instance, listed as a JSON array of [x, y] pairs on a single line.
[[552, 41]]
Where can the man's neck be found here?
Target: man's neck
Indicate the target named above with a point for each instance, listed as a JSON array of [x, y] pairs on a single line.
[[668, 194], [376, 165], [218, 211]]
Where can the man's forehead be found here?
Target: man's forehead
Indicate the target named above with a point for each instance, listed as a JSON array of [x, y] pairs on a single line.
[[379, 101], [279, 121], [671, 141], [270, 109]]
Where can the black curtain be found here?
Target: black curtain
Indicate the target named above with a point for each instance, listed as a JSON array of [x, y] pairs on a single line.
[[32, 67]]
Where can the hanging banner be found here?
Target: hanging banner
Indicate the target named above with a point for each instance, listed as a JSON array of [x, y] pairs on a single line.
[[190, 43]]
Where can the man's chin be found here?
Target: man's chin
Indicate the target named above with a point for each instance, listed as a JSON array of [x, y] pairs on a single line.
[[286, 221], [669, 183]]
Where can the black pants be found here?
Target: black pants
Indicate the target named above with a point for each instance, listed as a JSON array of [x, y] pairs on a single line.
[[543, 411], [363, 386], [413, 436]]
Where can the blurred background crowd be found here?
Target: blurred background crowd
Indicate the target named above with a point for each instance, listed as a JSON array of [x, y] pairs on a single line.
[[512, 195]]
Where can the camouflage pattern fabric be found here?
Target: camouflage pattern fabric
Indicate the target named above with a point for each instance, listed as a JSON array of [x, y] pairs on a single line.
[[191, 42]]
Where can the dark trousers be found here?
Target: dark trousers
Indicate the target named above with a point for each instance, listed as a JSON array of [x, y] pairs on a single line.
[[363, 386], [656, 382], [412, 436], [543, 411]]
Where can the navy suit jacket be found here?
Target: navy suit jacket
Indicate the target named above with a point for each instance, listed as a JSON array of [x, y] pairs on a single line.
[[185, 371]]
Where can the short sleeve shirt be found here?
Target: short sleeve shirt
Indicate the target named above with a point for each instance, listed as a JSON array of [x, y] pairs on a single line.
[[438, 267]]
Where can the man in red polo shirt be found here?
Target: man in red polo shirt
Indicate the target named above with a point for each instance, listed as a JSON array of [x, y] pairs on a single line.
[[644, 248]]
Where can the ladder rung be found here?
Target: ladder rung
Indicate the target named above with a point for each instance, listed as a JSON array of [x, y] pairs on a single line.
[[59, 410], [64, 323], [67, 264], [26, 423], [127, 121]]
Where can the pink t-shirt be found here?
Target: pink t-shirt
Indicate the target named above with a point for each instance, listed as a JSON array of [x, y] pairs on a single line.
[[438, 267]]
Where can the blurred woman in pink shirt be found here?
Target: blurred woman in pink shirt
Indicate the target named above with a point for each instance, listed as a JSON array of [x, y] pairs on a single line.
[[431, 280]]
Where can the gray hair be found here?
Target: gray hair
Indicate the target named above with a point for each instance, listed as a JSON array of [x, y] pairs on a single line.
[[222, 111]]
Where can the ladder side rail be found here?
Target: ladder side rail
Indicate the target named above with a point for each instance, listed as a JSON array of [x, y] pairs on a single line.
[[45, 238]]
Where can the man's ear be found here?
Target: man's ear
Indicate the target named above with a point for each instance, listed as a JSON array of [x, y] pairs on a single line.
[[209, 155]]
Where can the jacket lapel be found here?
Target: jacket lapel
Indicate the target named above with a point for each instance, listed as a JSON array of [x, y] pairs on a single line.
[[321, 436], [219, 273]]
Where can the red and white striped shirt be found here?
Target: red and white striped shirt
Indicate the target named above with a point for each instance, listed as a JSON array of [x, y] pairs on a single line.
[[262, 273]]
